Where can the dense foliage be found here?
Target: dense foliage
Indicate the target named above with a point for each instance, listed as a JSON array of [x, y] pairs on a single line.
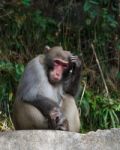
[[88, 28]]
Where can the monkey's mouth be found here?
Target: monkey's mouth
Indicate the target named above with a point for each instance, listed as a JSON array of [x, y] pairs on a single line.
[[57, 78]]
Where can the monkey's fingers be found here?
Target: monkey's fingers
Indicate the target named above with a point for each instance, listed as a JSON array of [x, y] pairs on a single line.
[[55, 116], [74, 59], [63, 125]]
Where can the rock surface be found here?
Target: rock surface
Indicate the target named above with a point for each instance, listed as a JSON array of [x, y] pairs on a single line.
[[60, 140]]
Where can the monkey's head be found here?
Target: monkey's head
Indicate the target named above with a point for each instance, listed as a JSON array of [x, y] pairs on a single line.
[[56, 63]]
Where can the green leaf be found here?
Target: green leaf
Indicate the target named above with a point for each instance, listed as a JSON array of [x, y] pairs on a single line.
[[118, 46], [116, 117], [118, 75], [106, 118], [26, 2], [93, 13], [88, 21], [50, 38], [94, 2], [112, 118], [19, 68], [85, 106], [87, 6]]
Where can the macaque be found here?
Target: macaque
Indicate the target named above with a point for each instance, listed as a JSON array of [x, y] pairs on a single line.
[[46, 92]]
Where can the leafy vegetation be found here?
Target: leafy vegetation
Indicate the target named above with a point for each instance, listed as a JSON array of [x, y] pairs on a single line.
[[24, 31], [99, 111]]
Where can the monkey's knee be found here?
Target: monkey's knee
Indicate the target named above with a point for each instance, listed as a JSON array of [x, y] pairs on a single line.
[[26, 116], [71, 112]]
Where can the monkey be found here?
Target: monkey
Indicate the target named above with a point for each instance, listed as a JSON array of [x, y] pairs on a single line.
[[45, 97]]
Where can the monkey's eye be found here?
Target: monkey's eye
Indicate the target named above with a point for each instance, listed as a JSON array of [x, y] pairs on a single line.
[[65, 66], [61, 63]]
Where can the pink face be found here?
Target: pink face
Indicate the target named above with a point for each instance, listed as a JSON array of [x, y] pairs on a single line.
[[58, 69]]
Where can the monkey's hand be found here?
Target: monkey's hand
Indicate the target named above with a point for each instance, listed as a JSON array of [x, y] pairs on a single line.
[[75, 63], [71, 84], [57, 120]]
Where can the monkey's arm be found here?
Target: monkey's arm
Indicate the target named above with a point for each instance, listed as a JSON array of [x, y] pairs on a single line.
[[50, 110], [44, 104], [72, 83]]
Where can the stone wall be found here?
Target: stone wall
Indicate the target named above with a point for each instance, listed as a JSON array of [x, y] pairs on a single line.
[[60, 140]]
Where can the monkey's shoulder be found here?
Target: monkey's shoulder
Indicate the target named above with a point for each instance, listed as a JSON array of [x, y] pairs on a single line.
[[35, 63], [38, 59]]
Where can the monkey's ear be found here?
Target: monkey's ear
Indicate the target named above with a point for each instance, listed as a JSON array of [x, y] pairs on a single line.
[[47, 49]]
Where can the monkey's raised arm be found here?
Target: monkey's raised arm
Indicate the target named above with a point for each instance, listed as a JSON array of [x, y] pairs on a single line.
[[71, 84]]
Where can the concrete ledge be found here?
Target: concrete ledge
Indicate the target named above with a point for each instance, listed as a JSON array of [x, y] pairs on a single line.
[[60, 140]]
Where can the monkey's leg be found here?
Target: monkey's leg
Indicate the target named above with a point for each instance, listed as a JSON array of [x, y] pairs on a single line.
[[51, 111], [70, 111], [26, 116]]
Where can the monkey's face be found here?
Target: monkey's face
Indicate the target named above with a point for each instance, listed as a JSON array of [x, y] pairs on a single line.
[[59, 66]]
